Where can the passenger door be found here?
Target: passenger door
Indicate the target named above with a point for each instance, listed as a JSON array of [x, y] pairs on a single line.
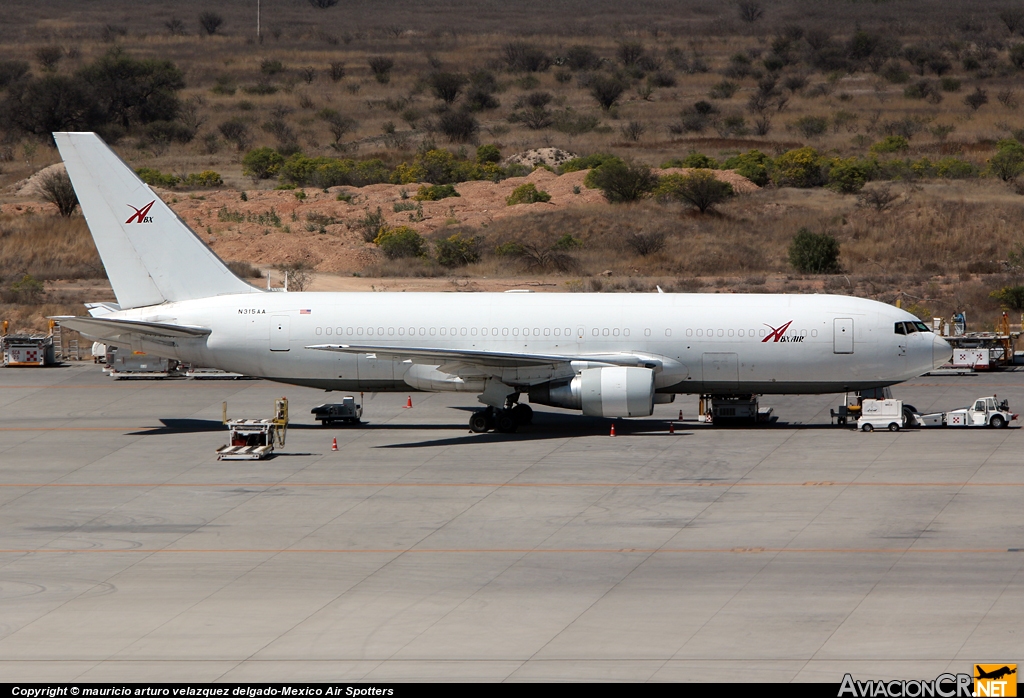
[[280, 336], [842, 338]]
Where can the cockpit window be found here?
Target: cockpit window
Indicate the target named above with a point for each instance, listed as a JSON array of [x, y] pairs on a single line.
[[900, 329], [911, 327], [921, 327]]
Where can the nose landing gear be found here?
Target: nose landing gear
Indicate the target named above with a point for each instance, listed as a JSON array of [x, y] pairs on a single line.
[[505, 421]]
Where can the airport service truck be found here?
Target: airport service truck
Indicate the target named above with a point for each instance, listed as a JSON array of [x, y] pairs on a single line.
[[888, 414]]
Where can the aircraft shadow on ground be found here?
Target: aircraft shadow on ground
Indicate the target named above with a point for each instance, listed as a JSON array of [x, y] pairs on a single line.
[[546, 425]]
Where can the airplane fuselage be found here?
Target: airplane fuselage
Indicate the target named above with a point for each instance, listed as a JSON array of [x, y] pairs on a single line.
[[698, 343]]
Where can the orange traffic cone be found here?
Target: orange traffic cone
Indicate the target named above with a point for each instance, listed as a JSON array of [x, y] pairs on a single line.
[[334, 444], [671, 427], [613, 430], [408, 403], [680, 415]]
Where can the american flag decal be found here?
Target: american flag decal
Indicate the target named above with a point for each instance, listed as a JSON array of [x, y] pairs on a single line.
[[305, 311]]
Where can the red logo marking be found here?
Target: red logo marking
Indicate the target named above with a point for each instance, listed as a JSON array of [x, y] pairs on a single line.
[[141, 215], [776, 332]]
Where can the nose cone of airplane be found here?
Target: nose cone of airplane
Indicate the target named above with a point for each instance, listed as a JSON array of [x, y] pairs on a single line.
[[942, 352]]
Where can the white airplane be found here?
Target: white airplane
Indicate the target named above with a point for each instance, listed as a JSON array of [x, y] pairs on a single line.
[[609, 355]]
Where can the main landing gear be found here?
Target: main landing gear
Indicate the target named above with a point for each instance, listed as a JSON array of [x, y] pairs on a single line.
[[505, 421]]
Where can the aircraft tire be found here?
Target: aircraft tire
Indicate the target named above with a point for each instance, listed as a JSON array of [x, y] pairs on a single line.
[[479, 423], [523, 414], [506, 422]]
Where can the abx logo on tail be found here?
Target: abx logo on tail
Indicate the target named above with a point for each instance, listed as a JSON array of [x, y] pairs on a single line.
[[141, 215]]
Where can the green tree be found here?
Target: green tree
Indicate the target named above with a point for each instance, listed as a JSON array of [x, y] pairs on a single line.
[[813, 253], [527, 194], [457, 251], [400, 242], [754, 165], [798, 168], [262, 163], [622, 181], [701, 189], [134, 91], [1012, 297], [1008, 162]]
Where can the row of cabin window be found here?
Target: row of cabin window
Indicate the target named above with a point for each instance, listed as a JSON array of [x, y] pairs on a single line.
[[453, 331], [737, 333], [537, 332]]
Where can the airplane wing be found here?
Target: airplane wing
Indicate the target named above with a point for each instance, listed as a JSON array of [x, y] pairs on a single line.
[[113, 331], [495, 359]]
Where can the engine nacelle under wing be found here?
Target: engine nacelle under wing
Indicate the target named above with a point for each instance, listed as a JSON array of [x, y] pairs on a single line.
[[614, 391]]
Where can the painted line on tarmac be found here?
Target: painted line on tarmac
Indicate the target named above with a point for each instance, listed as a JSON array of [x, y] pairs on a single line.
[[516, 551], [524, 485]]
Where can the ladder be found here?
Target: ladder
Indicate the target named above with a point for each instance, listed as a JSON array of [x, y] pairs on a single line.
[[58, 343]]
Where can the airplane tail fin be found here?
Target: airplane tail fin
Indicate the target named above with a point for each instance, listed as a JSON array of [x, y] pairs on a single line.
[[150, 254]]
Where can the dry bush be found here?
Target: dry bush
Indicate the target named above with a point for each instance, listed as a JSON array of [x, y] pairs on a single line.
[[48, 247]]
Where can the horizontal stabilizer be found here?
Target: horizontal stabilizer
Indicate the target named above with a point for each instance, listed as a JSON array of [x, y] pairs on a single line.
[[112, 331]]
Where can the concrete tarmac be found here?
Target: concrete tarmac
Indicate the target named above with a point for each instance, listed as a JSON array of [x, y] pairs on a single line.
[[418, 551]]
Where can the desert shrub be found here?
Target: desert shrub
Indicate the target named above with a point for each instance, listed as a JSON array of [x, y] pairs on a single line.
[[236, 131], [923, 89], [155, 178], [695, 160], [977, 99], [210, 22], [458, 125], [606, 89], [798, 168], [1008, 162], [891, 144], [262, 163], [754, 165], [381, 67], [810, 126], [244, 270], [567, 243], [400, 242], [849, 176], [206, 178], [447, 86], [527, 194], [723, 90], [581, 58], [271, 66], [646, 243], [372, 225], [337, 123], [813, 253], [950, 85], [521, 57], [12, 71], [26, 291], [457, 251], [955, 168], [56, 188], [435, 192], [587, 162], [488, 153], [572, 123], [166, 132], [510, 249], [878, 198], [1011, 298], [622, 181], [480, 99], [701, 189]]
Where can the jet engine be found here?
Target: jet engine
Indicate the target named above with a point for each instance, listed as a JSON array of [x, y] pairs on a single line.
[[615, 391]]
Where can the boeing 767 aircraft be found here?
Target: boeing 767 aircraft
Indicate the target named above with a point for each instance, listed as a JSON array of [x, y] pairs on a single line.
[[609, 355]]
